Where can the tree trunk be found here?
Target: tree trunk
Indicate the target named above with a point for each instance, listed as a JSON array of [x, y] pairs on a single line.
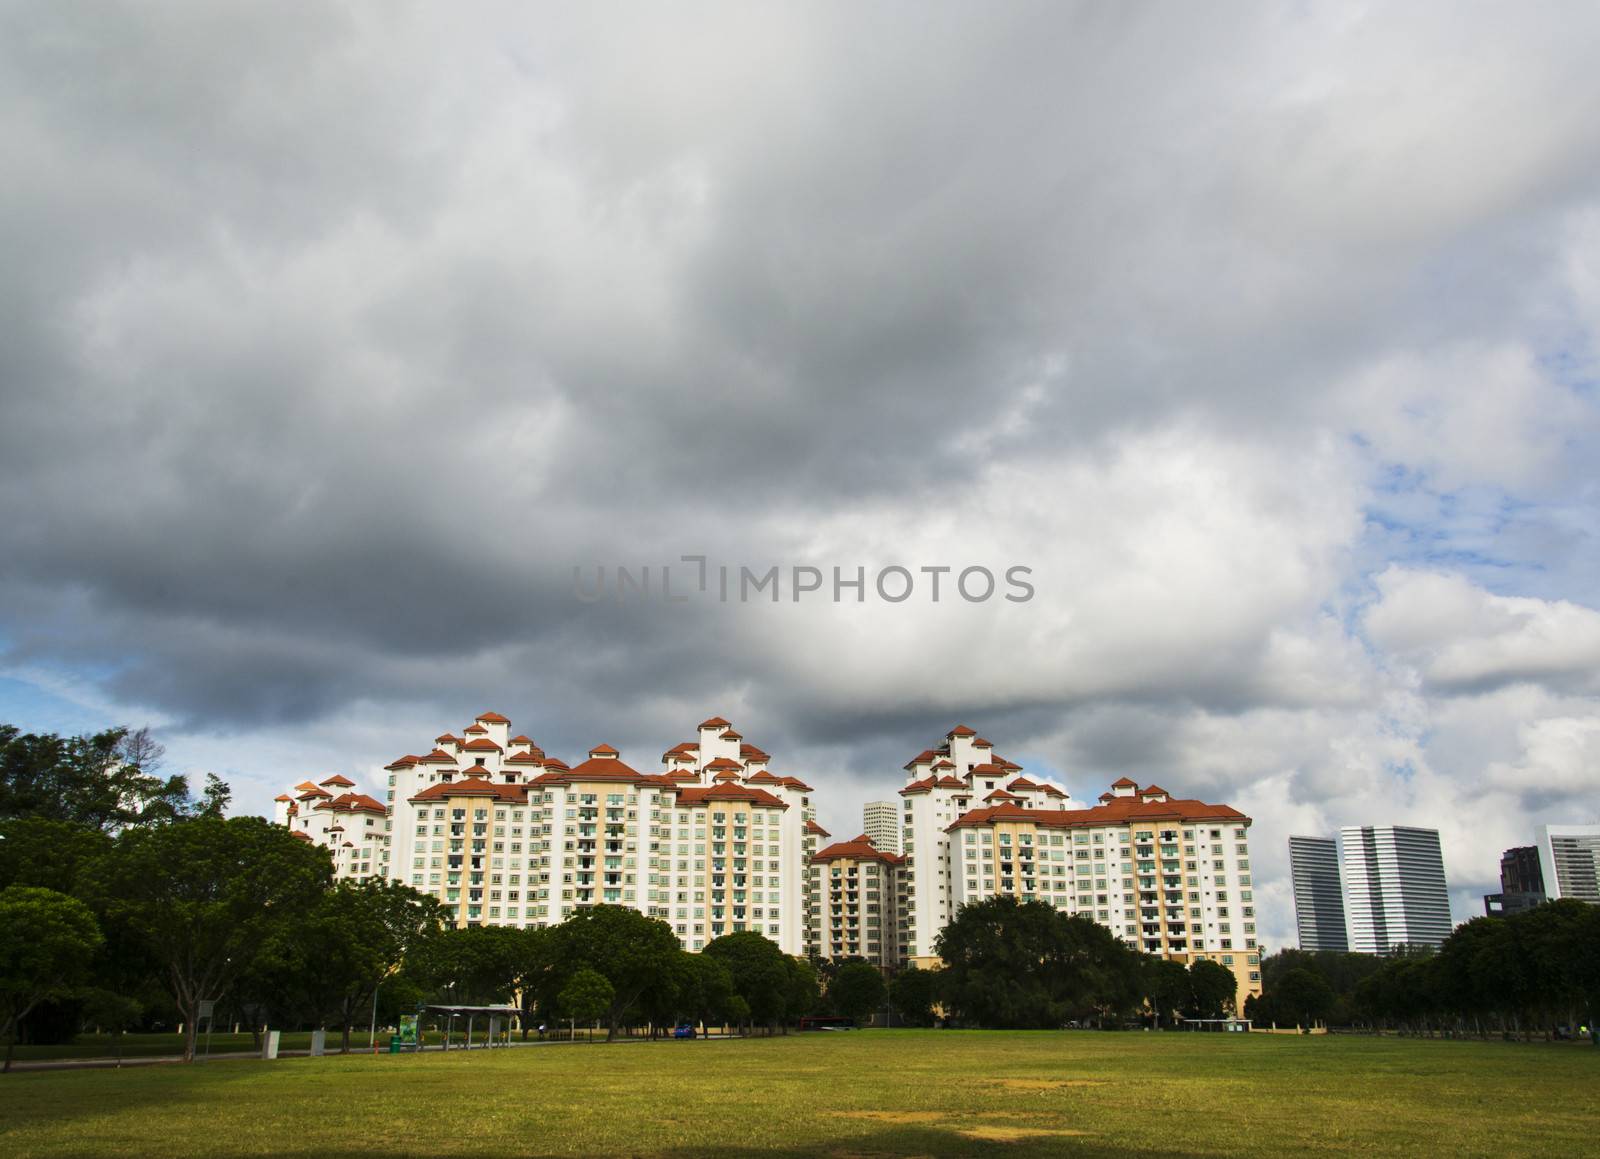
[[191, 1030], [344, 1042]]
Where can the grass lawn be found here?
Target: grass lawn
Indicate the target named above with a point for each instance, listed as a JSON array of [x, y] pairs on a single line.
[[155, 1045], [873, 1093]]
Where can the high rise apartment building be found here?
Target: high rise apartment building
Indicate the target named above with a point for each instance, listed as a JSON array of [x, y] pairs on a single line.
[[1395, 892], [1569, 861], [1318, 896], [881, 825], [504, 834], [855, 897], [1170, 876]]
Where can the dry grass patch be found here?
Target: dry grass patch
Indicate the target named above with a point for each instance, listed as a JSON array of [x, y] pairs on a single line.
[[893, 1116], [999, 1134], [1047, 1084]]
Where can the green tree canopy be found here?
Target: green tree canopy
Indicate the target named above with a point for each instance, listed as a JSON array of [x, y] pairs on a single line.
[[1022, 964], [587, 996], [202, 897], [1213, 990], [913, 993], [760, 973], [857, 990], [46, 942], [106, 781], [631, 951]]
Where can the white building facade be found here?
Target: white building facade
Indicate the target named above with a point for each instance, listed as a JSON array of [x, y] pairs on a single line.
[[1169, 876], [1569, 861], [504, 834], [1394, 887]]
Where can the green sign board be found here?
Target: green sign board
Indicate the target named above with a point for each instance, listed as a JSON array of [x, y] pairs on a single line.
[[408, 1030]]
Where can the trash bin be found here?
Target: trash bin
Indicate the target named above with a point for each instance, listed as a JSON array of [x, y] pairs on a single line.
[[394, 1044]]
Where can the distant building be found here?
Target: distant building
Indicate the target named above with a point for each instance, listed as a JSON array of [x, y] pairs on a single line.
[[882, 825], [505, 835], [1569, 858], [1521, 883], [1318, 898], [1395, 892], [855, 900]]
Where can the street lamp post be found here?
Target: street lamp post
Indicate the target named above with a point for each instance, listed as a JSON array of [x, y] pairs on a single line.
[[372, 1030]]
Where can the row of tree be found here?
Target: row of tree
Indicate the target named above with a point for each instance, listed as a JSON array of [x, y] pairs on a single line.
[[1529, 972], [1024, 964], [125, 902]]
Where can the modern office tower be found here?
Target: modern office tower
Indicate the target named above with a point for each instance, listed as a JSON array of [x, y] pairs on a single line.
[[1569, 858], [1521, 883], [1318, 898], [1395, 892], [882, 825], [503, 834], [855, 899], [1168, 876]]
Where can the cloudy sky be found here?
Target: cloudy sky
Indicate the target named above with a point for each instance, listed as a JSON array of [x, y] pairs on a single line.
[[332, 338]]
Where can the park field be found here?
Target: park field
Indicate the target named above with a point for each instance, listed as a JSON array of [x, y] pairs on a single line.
[[863, 1094]]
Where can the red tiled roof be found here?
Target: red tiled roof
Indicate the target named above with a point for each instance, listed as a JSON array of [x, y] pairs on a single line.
[[794, 783], [600, 769], [925, 757], [476, 730], [472, 787], [816, 830], [493, 718], [1022, 783], [354, 803], [716, 722], [961, 730], [698, 796], [980, 743], [554, 763], [1052, 791], [1148, 790], [731, 735], [763, 778], [860, 849], [604, 750], [283, 797], [300, 835], [522, 740], [531, 757], [437, 757], [1001, 795], [1114, 811], [725, 763], [337, 779], [949, 783], [482, 744], [922, 786], [944, 764], [751, 753], [1124, 783], [730, 775], [443, 739], [404, 762]]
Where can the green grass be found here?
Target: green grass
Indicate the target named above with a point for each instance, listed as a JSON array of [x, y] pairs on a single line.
[[875, 1093], [155, 1045]]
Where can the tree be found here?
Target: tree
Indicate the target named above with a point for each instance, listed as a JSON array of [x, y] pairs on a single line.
[[586, 997], [1015, 964], [857, 990], [803, 992], [359, 935], [214, 798], [46, 941], [202, 897], [1213, 990], [1303, 997], [760, 973], [708, 994], [1166, 988], [49, 854], [913, 993], [628, 949], [106, 781]]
